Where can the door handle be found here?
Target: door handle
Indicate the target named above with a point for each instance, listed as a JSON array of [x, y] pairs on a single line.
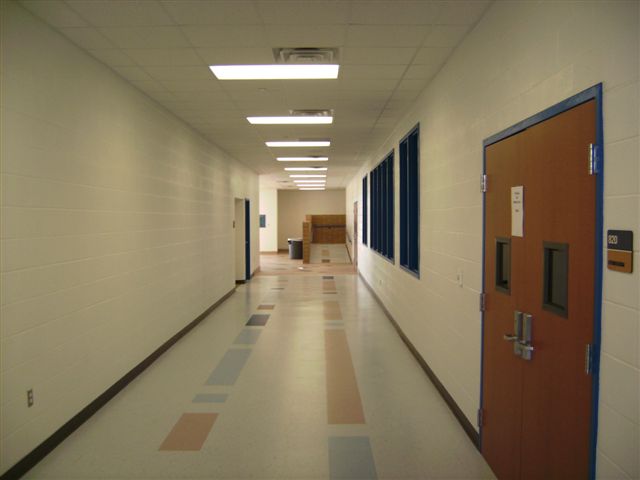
[[526, 348], [517, 336]]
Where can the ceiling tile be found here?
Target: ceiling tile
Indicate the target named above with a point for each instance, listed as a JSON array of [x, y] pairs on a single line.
[[87, 38], [423, 72], [151, 86], [145, 37], [306, 36], [376, 56], [462, 12], [416, 12], [432, 55], [367, 72], [446, 35], [179, 73], [304, 12], [168, 57], [208, 12], [226, 36], [416, 85], [192, 85], [382, 84], [112, 56], [107, 13], [133, 73], [55, 13], [230, 56], [386, 35]]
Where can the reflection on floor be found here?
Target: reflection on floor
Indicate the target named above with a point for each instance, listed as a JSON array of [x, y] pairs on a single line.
[[329, 253], [281, 381], [281, 264]]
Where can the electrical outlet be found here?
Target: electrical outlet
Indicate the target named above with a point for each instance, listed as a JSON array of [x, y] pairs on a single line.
[[30, 397], [459, 277]]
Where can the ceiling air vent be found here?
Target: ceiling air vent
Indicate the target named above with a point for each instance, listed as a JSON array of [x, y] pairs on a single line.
[[311, 113], [306, 55]]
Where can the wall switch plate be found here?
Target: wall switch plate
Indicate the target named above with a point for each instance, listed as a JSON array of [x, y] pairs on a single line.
[[30, 397]]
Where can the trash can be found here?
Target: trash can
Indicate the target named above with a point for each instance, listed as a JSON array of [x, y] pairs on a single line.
[[295, 248]]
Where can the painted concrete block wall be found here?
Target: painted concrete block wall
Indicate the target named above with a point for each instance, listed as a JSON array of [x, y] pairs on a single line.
[[269, 208], [521, 58], [116, 228], [293, 205]]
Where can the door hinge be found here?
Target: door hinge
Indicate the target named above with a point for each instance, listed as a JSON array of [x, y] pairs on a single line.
[[588, 359], [483, 183], [595, 159], [483, 302], [480, 417]]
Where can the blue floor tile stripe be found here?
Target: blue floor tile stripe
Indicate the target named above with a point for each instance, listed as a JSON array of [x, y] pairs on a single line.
[[351, 458], [210, 398], [259, 319], [247, 337], [229, 368]]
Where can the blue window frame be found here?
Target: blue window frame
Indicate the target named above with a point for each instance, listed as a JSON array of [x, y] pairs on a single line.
[[410, 201], [365, 213], [382, 215]]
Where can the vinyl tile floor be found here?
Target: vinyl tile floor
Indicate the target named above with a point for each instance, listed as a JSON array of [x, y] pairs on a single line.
[[281, 381]]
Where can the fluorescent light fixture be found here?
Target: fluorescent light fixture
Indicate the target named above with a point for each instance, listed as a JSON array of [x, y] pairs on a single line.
[[291, 120], [306, 169], [312, 188], [300, 143], [274, 72], [320, 180], [311, 185], [302, 159], [308, 176]]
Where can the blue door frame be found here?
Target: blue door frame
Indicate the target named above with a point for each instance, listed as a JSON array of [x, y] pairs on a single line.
[[247, 239], [593, 93]]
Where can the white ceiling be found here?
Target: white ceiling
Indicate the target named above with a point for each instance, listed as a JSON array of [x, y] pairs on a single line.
[[388, 51]]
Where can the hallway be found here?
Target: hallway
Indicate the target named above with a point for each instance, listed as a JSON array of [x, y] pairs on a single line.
[[281, 398]]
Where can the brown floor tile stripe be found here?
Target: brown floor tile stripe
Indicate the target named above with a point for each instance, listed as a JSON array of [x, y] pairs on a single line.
[[266, 307], [343, 397], [190, 432]]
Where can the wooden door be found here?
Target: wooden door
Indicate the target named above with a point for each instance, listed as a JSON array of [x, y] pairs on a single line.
[[537, 409]]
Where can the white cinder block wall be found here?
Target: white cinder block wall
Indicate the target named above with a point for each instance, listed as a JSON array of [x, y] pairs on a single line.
[[116, 228], [269, 208], [521, 58]]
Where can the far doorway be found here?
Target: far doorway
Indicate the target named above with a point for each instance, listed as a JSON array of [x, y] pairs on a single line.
[[242, 244]]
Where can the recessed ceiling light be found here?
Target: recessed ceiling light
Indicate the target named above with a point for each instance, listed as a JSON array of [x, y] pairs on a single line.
[[320, 180], [312, 188], [300, 143], [306, 169], [311, 185], [274, 72], [302, 159], [291, 120], [308, 176]]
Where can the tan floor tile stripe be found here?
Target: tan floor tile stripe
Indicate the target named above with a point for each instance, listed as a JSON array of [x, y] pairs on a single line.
[[343, 397], [331, 310], [190, 432], [329, 285]]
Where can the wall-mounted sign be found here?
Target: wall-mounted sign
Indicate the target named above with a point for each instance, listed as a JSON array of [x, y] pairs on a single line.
[[620, 250], [517, 211]]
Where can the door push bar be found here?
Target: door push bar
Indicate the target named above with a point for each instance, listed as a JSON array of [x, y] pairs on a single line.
[[521, 338]]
